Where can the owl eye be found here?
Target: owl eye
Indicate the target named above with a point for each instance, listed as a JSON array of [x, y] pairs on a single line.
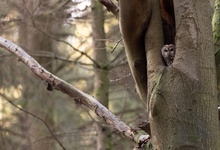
[[166, 50], [171, 49]]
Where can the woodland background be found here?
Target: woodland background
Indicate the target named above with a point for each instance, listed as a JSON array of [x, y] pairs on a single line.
[[61, 36], [58, 34]]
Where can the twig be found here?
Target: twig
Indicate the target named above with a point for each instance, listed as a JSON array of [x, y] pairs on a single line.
[[110, 6], [116, 45], [33, 115], [65, 42]]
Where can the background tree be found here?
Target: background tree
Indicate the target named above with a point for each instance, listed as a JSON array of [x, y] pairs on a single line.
[[58, 35], [182, 97], [101, 81]]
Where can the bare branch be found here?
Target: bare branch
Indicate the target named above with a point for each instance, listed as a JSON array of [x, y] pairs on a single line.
[[55, 57], [116, 45], [65, 42], [75, 93], [110, 6]]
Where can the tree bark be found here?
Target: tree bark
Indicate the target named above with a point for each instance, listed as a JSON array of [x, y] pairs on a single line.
[[183, 101], [134, 19], [153, 43], [101, 81]]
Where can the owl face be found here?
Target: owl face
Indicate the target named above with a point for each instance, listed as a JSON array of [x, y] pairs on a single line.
[[168, 52]]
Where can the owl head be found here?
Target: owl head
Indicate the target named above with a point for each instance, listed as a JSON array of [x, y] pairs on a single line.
[[168, 52]]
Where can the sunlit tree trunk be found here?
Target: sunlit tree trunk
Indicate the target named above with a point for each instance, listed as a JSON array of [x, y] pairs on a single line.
[[101, 82]]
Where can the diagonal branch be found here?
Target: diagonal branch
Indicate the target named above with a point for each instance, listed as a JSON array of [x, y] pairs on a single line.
[[75, 93], [110, 6]]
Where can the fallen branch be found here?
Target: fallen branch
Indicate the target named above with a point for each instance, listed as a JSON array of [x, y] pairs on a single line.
[[75, 93]]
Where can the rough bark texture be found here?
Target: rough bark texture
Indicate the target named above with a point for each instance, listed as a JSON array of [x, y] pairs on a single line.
[[183, 102], [101, 81], [134, 18]]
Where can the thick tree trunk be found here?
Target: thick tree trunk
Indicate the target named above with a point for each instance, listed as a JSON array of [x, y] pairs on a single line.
[[101, 81], [153, 43], [183, 100], [134, 19]]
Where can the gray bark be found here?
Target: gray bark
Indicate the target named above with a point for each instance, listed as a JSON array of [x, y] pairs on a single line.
[[183, 104]]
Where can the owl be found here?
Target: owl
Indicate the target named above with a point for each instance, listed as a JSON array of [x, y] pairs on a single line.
[[168, 52]]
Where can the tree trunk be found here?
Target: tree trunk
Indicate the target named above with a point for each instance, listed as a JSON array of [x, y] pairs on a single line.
[[101, 82], [134, 19], [32, 39], [216, 34], [183, 99]]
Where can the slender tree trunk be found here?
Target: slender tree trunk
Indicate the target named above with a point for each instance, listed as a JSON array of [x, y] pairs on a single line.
[[23, 118], [183, 99], [216, 34], [32, 39], [101, 82]]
